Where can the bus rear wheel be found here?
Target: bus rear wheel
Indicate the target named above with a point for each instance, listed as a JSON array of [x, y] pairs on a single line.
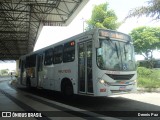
[[28, 82], [67, 89]]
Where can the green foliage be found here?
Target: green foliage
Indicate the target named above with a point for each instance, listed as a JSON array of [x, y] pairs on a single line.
[[146, 39], [151, 10], [148, 78], [4, 72], [142, 71], [102, 17]]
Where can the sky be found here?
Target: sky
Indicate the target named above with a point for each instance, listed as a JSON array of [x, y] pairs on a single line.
[[52, 34]]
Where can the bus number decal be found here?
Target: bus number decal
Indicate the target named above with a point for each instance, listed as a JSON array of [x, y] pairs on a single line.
[[64, 71], [122, 88], [112, 72]]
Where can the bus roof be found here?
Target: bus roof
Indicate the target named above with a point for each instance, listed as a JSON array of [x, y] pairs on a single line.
[[78, 36]]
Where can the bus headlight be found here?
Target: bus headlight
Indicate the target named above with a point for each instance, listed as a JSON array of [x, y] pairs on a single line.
[[102, 81], [135, 82]]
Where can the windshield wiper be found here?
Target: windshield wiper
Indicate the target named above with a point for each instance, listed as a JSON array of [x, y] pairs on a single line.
[[110, 42], [117, 50], [125, 52]]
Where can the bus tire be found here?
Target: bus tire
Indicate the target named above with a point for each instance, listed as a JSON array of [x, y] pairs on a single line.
[[67, 88], [28, 82]]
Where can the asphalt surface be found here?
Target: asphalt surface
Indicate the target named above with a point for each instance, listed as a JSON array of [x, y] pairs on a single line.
[[140, 105]]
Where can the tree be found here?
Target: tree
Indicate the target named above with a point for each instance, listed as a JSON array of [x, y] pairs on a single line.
[[146, 40], [151, 10], [103, 17], [4, 71]]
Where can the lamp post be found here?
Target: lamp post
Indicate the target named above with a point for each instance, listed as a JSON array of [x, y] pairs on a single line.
[[83, 20]]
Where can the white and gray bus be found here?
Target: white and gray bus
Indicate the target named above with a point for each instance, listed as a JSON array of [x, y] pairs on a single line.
[[98, 62]]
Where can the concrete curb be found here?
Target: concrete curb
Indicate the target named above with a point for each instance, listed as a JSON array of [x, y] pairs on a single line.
[[148, 89], [14, 82]]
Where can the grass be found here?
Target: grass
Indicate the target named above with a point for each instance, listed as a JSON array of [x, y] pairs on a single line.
[[148, 78]]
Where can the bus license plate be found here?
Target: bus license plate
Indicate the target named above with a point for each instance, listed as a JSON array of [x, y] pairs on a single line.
[[122, 88]]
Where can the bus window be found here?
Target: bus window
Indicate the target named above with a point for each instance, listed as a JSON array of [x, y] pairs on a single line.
[[27, 62], [57, 54], [40, 62], [20, 62], [48, 57], [30, 61], [69, 52]]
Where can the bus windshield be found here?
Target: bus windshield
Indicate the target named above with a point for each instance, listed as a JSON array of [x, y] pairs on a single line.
[[116, 55]]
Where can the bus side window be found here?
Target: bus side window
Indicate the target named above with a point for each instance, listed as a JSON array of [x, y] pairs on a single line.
[[40, 62], [20, 62], [30, 61], [57, 54], [69, 52], [30, 64], [48, 57]]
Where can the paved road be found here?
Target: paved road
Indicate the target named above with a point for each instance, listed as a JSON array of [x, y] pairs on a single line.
[[6, 78], [119, 106], [149, 98], [16, 103]]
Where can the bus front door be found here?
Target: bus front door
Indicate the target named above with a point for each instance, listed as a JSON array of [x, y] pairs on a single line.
[[85, 68]]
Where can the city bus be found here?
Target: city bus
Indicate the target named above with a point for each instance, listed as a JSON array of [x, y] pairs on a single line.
[[98, 62]]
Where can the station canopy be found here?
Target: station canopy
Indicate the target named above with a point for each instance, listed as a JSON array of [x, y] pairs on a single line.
[[22, 20]]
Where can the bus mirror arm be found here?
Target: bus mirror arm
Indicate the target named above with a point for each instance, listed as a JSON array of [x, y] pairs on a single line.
[[96, 39], [97, 44]]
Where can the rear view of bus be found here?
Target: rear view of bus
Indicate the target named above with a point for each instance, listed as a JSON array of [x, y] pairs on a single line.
[[116, 68]]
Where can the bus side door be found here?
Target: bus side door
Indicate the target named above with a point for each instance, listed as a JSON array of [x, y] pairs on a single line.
[[39, 70], [85, 80]]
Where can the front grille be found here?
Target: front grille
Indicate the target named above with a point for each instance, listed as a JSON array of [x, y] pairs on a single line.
[[119, 91], [121, 77]]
